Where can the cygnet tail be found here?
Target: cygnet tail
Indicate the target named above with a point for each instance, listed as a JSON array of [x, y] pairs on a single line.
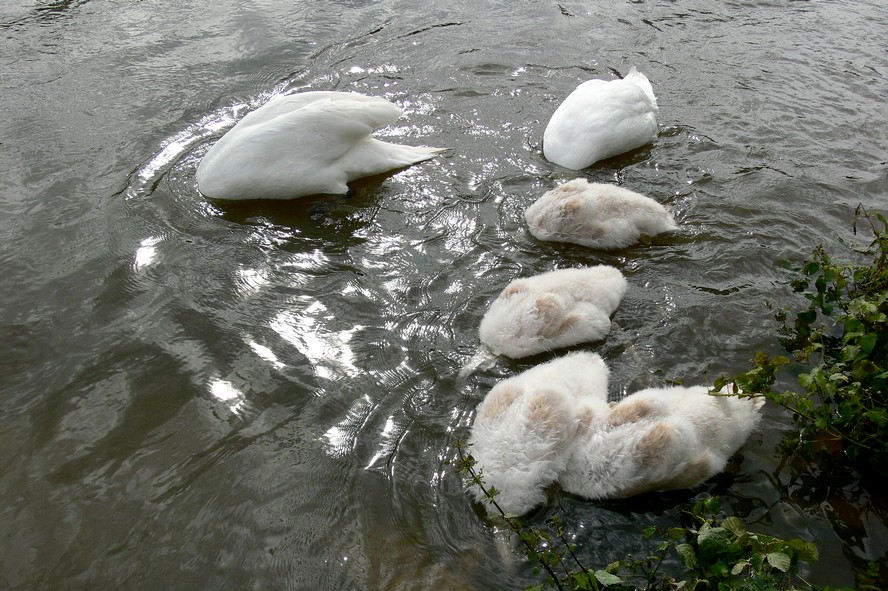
[[643, 83], [482, 359]]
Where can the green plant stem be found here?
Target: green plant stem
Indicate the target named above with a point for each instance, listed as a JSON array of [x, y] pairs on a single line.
[[513, 526], [572, 554]]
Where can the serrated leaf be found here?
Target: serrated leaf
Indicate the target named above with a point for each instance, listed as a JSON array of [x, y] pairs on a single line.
[[811, 268], [606, 578], [867, 342], [806, 551], [838, 377], [581, 581], [779, 560], [733, 524], [676, 533], [708, 533], [738, 568], [686, 551]]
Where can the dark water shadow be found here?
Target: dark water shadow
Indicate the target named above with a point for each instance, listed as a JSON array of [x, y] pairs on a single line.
[[306, 212], [44, 13]]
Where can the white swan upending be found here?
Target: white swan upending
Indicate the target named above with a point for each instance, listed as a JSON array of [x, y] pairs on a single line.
[[304, 144], [596, 215], [601, 119]]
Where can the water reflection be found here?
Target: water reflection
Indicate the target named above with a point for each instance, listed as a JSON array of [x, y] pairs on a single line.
[[226, 393], [266, 354], [146, 253], [342, 438], [251, 281], [304, 327]]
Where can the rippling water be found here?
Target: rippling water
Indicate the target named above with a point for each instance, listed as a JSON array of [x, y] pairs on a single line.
[[264, 395]]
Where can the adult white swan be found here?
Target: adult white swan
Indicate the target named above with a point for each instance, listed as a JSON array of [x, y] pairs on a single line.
[[304, 144], [600, 119]]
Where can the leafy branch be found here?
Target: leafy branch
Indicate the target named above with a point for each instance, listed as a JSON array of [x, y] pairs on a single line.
[[718, 553], [841, 335]]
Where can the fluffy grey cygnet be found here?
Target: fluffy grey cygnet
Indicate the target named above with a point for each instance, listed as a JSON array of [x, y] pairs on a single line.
[[658, 439], [525, 427], [552, 310], [596, 215]]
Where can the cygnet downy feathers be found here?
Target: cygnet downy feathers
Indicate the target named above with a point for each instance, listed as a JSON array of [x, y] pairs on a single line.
[[659, 439], [552, 310], [596, 215], [524, 427]]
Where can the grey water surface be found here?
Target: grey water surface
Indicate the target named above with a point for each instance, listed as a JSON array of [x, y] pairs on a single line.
[[201, 395]]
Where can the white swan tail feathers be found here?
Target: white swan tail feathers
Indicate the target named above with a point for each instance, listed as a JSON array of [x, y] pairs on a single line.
[[643, 83], [406, 155]]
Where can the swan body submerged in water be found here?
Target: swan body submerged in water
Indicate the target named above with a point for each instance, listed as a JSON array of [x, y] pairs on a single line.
[[555, 309], [656, 440], [304, 144], [596, 215], [524, 427], [601, 119]]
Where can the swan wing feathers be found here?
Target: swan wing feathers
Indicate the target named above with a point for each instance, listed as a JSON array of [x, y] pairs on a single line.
[[373, 111], [299, 127]]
